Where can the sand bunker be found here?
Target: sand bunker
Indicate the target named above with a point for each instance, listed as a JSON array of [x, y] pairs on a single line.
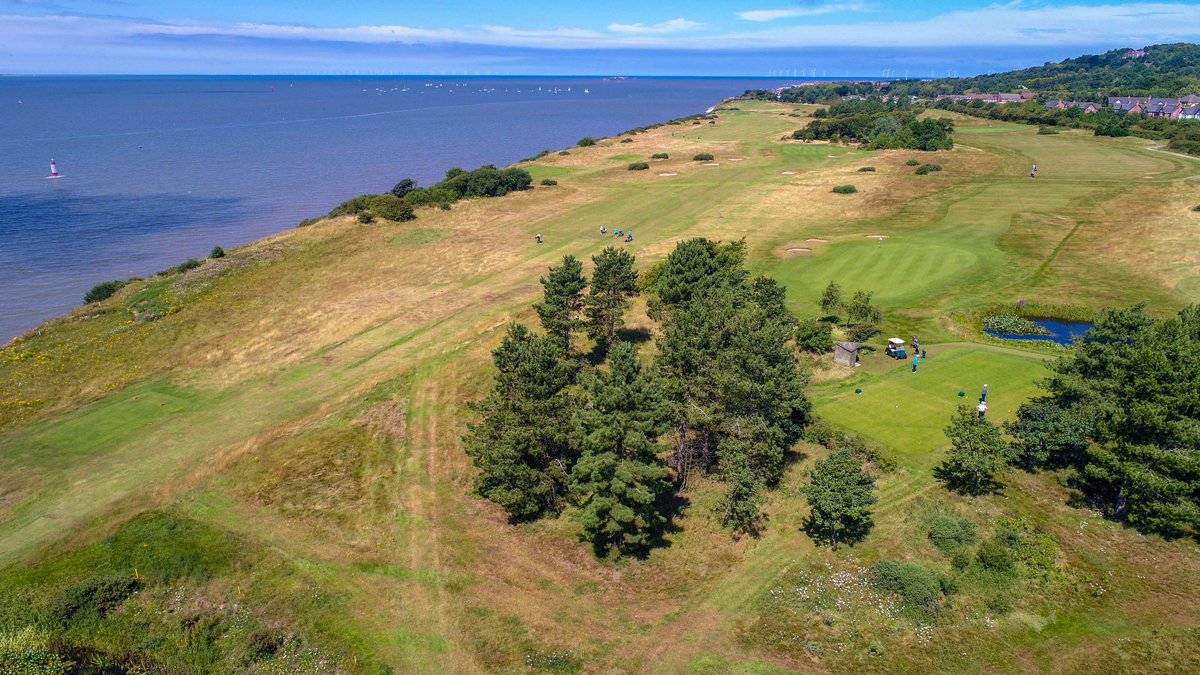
[[799, 250], [817, 241], [737, 159], [669, 173], [789, 173], [711, 164], [880, 237]]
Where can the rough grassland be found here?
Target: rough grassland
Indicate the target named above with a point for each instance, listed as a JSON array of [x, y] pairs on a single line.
[[306, 400]]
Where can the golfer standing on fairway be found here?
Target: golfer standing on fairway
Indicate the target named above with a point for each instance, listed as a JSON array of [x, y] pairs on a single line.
[[916, 360]]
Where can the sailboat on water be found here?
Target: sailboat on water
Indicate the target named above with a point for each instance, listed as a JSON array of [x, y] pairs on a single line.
[[54, 170]]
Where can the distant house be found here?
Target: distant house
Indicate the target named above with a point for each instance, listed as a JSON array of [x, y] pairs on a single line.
[[1134, 54], [1028, 95], [1191, 99], [1170, 108], [1086, 106], [1055, 105], [1190, 112]]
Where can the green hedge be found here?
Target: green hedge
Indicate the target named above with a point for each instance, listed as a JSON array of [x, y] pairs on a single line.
[[845, 189]]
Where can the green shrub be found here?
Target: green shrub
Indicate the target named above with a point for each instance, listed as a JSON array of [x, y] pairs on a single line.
[[626, 140], [308, 221], [949, 533], [961, 559], [1196, 208], [845, 189], [217, 252], [1012, 324], [548, 182], [366, 218], [919, 589], [102, 291], [30, 652], [663, 155], [996, 558], [703, 157], [185, 266], [867, 169], [639, 166], [1047, 131], [861, 332], [927, 168], [564, 152], [912, 162], [814, 336], [586, 141], [91, 600]]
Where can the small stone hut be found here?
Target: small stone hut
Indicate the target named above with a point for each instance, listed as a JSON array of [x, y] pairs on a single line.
[[846, 353]]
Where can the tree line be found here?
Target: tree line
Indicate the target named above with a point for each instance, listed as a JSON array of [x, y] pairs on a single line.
[[879, 126], [1121, 418], [400, 203], [723, 397]]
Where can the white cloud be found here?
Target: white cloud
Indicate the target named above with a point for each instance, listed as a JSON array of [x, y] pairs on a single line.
[[997, 25], [672, 26], [794, 12]]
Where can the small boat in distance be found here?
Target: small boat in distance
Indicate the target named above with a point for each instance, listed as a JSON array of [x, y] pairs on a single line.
[[54, 170]]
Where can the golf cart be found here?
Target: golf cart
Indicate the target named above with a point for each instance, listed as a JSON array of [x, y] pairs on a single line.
[[895, 349]]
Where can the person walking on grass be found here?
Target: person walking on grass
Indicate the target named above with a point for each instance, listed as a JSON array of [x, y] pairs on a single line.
[[916, 360], [538, 237], [916, 346], [983, 395], [981, 409]]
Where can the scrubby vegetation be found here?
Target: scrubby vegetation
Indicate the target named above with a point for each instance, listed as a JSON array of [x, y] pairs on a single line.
[[1011, 324], [399, 205], [844, 189], [703, 157], [866, 169], [926, 169], [103, 291], [913, 162], [879, 125], [639, 166], [660, 155], [548, 182]]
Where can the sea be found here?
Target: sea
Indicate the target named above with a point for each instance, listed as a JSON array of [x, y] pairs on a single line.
[[156, 170]]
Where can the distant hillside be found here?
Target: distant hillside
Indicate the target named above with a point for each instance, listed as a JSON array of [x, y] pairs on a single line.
[[1160, 70]]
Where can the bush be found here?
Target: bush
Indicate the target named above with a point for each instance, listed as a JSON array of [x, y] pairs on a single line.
[[102, 291], [867, 169], [548, 182], [185, 266], [91, 600], [586, 141], [912, 162], [703, 157], [639, 166], [564, 152], [626, 140], [949, 533], [366, 218], [1047, 131], [1196, 208], [861, 332], [845, 189], [919, 588], [217, 252], [1012, 325], [996, 558], [308, 221], [927, 168], [814, 336], [663, 155]]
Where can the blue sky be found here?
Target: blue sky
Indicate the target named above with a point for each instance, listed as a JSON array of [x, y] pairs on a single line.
[[699, 37]]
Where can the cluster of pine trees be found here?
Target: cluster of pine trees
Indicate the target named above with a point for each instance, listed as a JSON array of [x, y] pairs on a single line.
[[723, 397]]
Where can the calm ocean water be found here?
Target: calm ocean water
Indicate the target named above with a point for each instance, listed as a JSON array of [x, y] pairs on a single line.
[[160, 169]]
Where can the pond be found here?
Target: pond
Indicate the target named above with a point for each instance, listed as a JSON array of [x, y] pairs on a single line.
[[1061, 332]]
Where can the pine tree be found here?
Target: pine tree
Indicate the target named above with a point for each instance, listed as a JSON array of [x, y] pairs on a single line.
[[977, 453], [522, 444], [619, 482], [841, 495], [613, 284], [562, 300]]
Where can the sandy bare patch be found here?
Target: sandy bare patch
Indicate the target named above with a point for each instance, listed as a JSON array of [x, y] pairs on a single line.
[[876, 236], [788, 173], [831, 155], [668, 173], [817, 241], [711, 164], [799, 250], [737, 159]]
